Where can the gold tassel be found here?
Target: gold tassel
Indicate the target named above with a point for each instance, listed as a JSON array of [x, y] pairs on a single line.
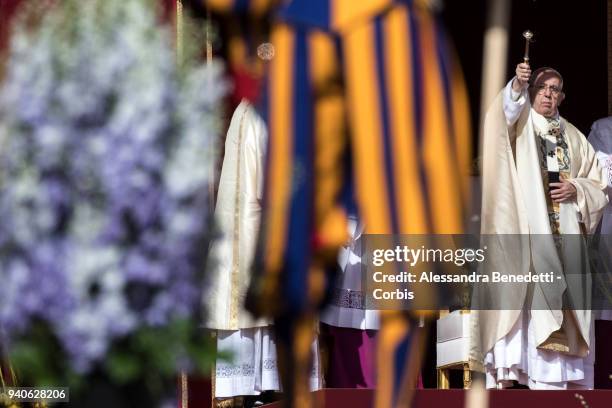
[[179, 29], [208, 37]]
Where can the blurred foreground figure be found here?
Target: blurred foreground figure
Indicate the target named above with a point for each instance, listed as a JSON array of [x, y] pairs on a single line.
[[541, 182], [601, 140], [250, 342], [363, 93]]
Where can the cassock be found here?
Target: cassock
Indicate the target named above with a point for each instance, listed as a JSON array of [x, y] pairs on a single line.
[[350, 327], [253, 368], [544, 348]]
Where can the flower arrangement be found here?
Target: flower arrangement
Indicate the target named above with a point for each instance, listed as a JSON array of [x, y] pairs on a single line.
[[106, 148]]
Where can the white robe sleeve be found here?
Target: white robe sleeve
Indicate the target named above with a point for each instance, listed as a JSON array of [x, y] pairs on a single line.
[[254, 152], [605, 161], [514, 103], [590, 185]]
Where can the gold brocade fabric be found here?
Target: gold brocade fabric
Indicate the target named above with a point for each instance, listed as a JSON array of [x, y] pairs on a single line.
[[235, 278], [561, 151], [237, 216], [510, 177], [558, 340]]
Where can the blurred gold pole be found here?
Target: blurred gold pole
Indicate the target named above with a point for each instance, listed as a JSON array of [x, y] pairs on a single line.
[[179, 55], [494, 60], [179, 29], [495, 54], [209, 55], [213, 374], [184, 391], [208, 37], [477, 396], [6, 364]]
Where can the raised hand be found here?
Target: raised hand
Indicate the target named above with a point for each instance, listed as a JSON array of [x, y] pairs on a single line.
[[523, 73]]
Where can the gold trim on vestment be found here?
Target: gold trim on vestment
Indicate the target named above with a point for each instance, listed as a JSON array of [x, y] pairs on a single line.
[[235, 279]]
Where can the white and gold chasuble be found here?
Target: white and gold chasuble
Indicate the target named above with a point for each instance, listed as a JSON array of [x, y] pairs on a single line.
[[237, 215], [545, 349]]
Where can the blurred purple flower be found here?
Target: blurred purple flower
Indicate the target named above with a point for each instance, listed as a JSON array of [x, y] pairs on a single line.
[[105, 161]]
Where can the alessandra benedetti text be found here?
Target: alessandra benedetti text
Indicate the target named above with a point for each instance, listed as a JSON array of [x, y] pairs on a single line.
[[473, 277]]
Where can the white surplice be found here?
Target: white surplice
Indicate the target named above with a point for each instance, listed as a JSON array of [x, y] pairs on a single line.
[[348, 307], [254, 366]]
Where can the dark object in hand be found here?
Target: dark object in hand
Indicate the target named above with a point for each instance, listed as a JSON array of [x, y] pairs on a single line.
[[553, 177]]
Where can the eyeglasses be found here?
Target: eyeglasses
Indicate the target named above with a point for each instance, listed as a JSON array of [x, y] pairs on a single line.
[[542, 88]]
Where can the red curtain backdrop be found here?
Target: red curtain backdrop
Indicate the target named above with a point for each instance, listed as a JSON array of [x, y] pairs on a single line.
[[7, 11]]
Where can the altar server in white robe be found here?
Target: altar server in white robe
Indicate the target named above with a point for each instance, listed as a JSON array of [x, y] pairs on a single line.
[[253, 368], [525, 141]]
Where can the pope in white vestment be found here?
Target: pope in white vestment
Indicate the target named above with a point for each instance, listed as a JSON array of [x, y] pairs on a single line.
[[525, 141], [253, 368]]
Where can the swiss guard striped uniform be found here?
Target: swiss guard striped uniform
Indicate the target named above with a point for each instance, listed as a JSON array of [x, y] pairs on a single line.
[[363, 94]]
